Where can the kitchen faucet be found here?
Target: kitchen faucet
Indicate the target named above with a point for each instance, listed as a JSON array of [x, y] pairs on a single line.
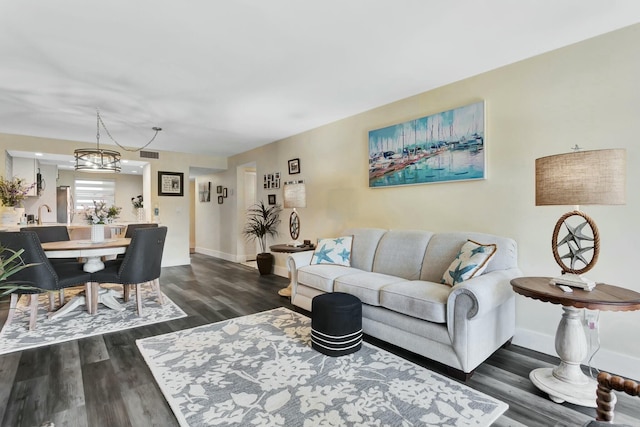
[[44, 205]]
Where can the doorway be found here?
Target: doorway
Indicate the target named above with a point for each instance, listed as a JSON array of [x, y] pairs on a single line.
[[247, 189]]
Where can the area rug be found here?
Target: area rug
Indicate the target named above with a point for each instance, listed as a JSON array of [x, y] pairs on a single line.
[[79, 324], [260, 370]]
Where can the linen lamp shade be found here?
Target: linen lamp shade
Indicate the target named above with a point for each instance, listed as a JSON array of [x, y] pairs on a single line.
[[295, 195], [595, 177]]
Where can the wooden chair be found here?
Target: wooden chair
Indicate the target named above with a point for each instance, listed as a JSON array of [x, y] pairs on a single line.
[[141, 264], [606, 400]]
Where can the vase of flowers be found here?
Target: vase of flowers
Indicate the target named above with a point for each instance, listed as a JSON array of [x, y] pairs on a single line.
[[12, 193], [138, 208], [98, 216]]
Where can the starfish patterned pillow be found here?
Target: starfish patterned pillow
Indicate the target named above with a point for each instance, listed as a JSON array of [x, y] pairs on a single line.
[[333, 251], [470, 262]]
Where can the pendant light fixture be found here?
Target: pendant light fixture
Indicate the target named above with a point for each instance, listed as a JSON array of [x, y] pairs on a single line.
[[101, 160]]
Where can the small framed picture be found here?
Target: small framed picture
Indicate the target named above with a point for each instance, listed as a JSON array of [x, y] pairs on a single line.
[[170, 183], [224, 192], [294, 166], [219, 189], [220, 200], [272, 199]]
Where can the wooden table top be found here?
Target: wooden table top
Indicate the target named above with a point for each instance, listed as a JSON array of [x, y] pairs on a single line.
[[291, 249], [70, 245], [602, 297]]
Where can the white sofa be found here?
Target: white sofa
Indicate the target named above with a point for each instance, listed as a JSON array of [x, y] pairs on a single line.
[[397, 275]]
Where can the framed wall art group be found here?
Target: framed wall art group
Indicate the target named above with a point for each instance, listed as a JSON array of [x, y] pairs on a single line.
[[443, 147]]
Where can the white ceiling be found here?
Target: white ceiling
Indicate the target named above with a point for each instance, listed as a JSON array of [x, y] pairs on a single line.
[[222, 77]]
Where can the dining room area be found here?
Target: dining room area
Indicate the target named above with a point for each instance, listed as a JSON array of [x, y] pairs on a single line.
[[51, 279]]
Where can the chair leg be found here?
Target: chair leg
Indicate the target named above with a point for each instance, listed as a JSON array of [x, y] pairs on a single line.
[[52, 301], [126, 292], [156, 284], [139, 298], [95, 288], [61, 297], [12, 308], [33, 315]]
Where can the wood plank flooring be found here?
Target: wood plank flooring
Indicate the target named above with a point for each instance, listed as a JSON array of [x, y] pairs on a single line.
[[103, 380]]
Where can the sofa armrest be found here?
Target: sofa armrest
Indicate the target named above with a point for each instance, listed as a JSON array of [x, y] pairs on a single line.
[[484, 292], [295, 261]]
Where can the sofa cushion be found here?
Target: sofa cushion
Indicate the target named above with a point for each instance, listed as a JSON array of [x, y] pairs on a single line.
[[336, 250], [417, 298], [322, 276], [471, 261], [365, 286], [444, 247], [365, 243], [401, 252]]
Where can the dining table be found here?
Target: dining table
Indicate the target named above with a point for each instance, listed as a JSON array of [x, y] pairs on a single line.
[[92, 253]]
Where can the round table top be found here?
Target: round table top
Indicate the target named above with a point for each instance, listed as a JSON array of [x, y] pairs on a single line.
[[602, 297], [290, 249]]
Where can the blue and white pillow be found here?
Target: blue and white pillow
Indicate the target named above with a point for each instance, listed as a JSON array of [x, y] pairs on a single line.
[[470, 262], [333, 251]]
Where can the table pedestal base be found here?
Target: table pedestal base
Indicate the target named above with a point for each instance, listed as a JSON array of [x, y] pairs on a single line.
[[285, 292], [93, 264], [105, 296], [561, 391]]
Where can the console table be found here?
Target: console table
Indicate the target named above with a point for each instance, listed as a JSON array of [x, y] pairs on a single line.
[[286, 292], [567, 382]]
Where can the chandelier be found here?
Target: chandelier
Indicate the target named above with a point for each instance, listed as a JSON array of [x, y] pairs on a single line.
[[101, 160]]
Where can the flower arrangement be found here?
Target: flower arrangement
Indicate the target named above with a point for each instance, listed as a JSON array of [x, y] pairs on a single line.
[[100, 213], [137, 202], [13, 191]]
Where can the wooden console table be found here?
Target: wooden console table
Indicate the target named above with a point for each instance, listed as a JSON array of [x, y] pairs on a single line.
[[567, 382]]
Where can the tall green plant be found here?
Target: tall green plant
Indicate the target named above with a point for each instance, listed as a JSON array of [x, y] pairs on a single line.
[[11, 263], [262, 221]]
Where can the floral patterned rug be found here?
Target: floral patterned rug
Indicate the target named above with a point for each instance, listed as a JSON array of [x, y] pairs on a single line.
[[260, 370], [78, 323]]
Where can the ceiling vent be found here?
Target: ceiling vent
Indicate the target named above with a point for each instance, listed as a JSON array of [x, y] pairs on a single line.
[[149, 154]]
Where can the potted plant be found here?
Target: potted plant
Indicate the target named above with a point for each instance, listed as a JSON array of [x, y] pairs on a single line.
[[12, 193], [262, 221], [11, 263]]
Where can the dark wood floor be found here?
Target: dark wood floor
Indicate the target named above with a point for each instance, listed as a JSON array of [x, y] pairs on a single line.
[[103, 380]]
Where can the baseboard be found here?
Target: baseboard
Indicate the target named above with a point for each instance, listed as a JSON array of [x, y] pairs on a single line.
[[281, 271], [604, 360], [218, 254]]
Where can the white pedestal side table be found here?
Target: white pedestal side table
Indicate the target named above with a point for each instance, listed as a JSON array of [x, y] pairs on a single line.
[[567, 382]]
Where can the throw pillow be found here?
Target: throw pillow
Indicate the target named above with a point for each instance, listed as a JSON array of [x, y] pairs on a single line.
[[333, 251], [471, 261]]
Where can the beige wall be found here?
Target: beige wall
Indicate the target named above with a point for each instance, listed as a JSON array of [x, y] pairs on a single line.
[[586, 94]]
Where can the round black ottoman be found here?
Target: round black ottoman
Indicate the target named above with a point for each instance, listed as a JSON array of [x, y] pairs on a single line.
[[336, 324]]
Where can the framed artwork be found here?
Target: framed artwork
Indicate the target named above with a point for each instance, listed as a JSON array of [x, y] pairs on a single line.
[[271, 180], [205, 191], [272, 199], [170, 183], [443, 147], [219, 189], [294, 166], [224, 192], [220, 200]]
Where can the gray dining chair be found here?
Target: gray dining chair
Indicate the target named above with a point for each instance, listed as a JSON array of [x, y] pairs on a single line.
[[141, 264], [43, 275]]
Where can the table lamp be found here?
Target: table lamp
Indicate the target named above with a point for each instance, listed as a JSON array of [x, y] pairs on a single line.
[[595, 177], [295, 196]]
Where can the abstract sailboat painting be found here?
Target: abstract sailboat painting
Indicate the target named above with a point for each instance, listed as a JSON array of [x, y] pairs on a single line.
[[443, 147]]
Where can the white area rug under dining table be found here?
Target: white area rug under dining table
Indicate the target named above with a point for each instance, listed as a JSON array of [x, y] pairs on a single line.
[[78, 323]]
